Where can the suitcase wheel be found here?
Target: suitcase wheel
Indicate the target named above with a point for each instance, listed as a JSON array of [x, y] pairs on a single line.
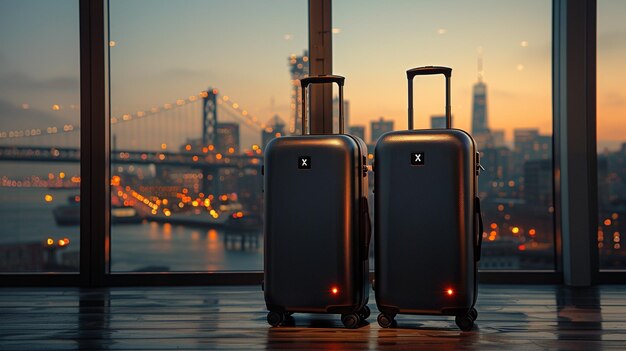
[[276, 318], [351, 320], [364, 312], [464, 322], [385, 320], [473, 313]]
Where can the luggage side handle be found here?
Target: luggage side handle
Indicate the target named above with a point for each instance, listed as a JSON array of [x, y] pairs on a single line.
[[366, 227], [479, 239], [305, 82], [424, 71]]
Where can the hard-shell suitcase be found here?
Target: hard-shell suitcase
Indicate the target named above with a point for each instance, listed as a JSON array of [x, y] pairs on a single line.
[[428, 227], [317, 225]]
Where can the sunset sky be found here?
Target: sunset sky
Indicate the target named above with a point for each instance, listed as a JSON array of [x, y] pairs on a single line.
[[167, 50]]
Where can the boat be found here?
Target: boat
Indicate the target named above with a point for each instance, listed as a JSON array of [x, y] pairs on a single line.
[[68, 215]]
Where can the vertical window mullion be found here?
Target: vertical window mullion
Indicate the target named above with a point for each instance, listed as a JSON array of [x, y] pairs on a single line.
[[321, 55], [574, 104], [94, 142]]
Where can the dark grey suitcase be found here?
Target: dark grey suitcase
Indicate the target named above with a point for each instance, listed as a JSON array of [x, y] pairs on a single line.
[[317, 226], [428, 227]]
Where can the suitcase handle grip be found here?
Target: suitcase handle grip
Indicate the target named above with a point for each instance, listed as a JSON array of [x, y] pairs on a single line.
[[305, 82], [428, 70], [424, 71]]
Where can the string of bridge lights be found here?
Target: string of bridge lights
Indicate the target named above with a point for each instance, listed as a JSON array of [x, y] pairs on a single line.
[[225, 100]]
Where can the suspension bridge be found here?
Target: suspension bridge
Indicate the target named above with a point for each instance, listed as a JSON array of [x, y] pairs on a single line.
[[181, 140]]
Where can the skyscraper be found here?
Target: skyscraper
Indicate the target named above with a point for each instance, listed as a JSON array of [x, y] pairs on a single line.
[[299, 68], [379, 128], [480, 125], [479, 108]]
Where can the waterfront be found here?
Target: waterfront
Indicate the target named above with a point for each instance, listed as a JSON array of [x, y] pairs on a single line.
[[26, 218]]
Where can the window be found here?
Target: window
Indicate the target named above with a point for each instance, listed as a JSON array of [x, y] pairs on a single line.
[[198, 88], [39, 136], [611, 113], [500, 52]]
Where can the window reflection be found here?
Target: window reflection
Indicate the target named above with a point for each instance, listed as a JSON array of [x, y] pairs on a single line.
[[611, 129], [197, 92], [500, 52], [39, 136]]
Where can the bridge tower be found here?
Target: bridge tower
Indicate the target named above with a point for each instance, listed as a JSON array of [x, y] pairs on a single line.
[[210, 181], [209, 118]]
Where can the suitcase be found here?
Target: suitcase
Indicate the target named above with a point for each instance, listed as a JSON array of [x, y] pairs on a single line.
[[428, 226], [317, 225]]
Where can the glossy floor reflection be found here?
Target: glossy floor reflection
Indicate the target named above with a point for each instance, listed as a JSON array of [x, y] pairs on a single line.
[[174, 318]]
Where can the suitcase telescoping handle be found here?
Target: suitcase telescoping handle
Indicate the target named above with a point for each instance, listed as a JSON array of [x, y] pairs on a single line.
[[424, 71], [305, 82]]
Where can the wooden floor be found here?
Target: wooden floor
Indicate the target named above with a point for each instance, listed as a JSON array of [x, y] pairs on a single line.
[[233, 318]]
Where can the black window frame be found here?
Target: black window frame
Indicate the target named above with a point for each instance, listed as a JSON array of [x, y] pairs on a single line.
[[575, 183]]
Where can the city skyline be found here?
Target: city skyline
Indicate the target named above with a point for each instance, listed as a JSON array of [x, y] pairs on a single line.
[[170, 64], [501, 70]]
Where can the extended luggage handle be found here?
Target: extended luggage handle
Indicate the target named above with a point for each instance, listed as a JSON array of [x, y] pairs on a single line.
[[305, 82], [424, 71]]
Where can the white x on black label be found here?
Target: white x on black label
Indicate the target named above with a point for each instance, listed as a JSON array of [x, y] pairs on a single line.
[[304, 162], [417, 158]]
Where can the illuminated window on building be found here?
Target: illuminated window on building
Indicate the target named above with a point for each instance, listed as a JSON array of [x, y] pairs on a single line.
[[500, 52], [611, 114], [198, 89], [39, 136]]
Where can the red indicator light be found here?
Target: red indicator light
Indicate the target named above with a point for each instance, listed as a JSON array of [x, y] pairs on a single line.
[[449, 292], [334, 290]]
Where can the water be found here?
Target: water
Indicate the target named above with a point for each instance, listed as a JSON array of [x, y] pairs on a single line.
[[26, 218]]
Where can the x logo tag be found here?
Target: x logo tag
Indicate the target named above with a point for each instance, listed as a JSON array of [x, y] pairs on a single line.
[[304, 162], [417, 158]]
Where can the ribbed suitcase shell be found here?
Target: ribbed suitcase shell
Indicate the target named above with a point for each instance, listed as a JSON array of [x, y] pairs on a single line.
[[425, 223], [317, 226], [314, 238], [427, 219]]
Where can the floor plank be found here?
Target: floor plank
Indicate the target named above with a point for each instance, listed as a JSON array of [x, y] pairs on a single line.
[[233, 318]]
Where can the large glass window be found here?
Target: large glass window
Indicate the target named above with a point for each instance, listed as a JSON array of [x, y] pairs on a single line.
[[198, 88], [611, 129], [500, 52], [39, 136]]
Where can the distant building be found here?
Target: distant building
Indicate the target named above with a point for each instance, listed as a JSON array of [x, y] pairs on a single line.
[[275, 128], [530, 145], [497, 136], [358, 131], [227, 138], [379, 128], [497, 173], [438, 122], [538, 182]]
